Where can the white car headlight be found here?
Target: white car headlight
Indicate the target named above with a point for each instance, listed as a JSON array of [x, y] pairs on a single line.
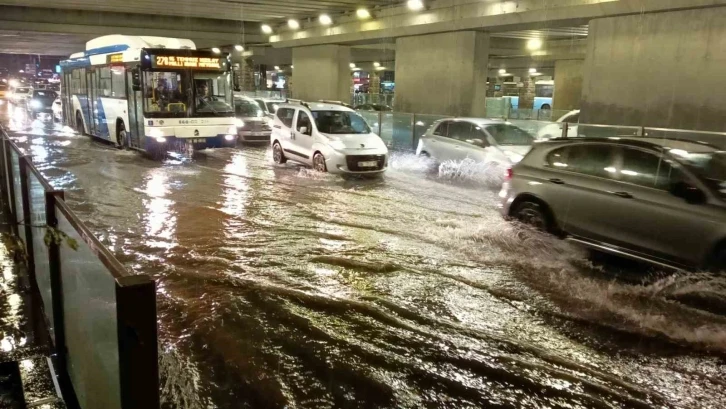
[[337, 144]]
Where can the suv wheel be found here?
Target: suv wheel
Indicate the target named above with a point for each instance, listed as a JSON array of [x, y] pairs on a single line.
[[277, 155], [533, 214], [319, 162]]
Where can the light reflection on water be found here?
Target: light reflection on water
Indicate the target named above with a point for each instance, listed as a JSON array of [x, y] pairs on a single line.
[[283, 287]]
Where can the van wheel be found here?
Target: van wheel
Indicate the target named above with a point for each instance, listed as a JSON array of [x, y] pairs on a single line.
[[319, 162], [121, 141], [546, 107], [277, 155], [79, 124], [424, 154], [533, 214]]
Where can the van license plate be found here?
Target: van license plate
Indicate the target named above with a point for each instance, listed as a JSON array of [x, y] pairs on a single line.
[[368, 164]]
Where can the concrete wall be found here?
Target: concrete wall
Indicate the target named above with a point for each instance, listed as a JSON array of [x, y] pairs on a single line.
[[322, 72], [444, 74], [568, 84], [664, 70]]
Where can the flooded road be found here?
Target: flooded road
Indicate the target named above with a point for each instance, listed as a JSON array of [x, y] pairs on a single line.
[[279, 287]]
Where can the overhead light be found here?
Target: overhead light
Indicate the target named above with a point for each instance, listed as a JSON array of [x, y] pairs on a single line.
[[325, 20], [363, 13], [380, 68], [532, 70], [293, 24], [534, 44], [277, 67], [376, 64], [502, 71], [216, 50], [239, 48], [266, 29], [292, 66], [352, 65], [415, 5]]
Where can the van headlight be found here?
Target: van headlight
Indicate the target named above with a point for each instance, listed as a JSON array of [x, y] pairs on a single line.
[[337, 144]]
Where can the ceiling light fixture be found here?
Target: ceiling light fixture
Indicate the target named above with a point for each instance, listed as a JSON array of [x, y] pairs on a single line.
[[277, 67], [352, 65], [266, 29], [532, 70], [376, 64], [363, 13], [239, 48], [293, 24], [534, 44], [415, 5], [502, 71], [216, 50], [325, 20]]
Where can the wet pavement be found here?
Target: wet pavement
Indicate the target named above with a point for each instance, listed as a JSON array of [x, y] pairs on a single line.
[[281, 287]]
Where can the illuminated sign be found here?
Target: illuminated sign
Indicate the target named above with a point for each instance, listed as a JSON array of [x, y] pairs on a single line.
[[171, 61], [112, 58]]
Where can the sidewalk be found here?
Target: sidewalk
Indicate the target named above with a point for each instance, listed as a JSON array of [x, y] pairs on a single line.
[[23, 335]]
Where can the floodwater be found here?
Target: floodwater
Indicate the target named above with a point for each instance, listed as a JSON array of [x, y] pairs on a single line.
[[279, 287]]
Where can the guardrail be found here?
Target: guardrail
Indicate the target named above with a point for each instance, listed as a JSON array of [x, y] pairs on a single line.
[[102, 319]]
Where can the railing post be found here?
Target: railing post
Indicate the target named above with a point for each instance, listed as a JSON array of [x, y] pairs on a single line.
[[10, 176], [565, 129], [380, 122], [413, 132], [56, 284], [23, 162], [138, 351]]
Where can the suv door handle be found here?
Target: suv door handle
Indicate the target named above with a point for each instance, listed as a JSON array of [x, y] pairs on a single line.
[[624, 195], [557, 181]]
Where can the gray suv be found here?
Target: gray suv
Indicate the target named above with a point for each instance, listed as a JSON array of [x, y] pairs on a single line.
[[658, 200]]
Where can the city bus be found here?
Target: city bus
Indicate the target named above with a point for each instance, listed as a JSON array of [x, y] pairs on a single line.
[[151, 94]]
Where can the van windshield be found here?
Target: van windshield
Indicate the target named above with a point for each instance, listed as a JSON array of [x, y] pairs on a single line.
[[340, 122]]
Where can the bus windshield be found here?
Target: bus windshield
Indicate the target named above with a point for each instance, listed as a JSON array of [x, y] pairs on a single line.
[[212, 93]]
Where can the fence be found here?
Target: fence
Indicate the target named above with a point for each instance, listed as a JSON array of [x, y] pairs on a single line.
[[102, 319]]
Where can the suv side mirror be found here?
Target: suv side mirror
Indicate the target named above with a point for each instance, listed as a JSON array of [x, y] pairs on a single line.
[[136, 79], [687, 192]]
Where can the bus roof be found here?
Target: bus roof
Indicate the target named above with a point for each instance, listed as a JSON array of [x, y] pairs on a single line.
[[117, 43]]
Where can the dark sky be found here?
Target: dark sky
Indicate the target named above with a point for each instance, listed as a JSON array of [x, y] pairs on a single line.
[[16, 62]]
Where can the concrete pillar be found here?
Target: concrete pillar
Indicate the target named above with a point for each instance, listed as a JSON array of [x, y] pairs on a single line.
[[444, 74], [325, 70], [660, 70], [568, 84]]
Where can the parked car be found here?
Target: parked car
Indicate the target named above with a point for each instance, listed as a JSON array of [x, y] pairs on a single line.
[[482, 140], [253, 125], [373, 107], [20, 93], [58, 109], [658, 200], [329, 137], [554, 130], [269, 105], [41, 102]]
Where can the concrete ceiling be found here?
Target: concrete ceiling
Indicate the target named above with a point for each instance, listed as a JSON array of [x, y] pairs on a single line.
[[242, 10]]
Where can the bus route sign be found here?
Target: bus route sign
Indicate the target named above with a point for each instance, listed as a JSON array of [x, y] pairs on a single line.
[[173, 61]]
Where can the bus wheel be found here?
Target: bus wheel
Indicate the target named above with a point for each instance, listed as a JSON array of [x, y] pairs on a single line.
[[79, 124], [121, 141]]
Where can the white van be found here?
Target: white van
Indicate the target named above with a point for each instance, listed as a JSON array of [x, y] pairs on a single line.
[[328, 137]]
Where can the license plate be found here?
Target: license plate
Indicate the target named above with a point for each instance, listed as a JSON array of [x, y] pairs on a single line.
[[368, 164], [198, 140]]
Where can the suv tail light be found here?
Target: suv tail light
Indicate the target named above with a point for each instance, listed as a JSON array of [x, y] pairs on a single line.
[[510, 174]]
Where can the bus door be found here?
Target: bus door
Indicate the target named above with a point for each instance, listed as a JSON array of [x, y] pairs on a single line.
[[92, 83], [136, 112]]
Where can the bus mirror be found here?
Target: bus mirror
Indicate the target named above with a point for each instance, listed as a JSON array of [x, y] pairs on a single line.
[[136, 79]]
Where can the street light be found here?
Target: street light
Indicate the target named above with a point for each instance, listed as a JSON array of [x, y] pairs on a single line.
[[293, 24], [363, 13], [415, 5], [216, 50], [266, 29], [239, 48], [325, 20], [534, 44]]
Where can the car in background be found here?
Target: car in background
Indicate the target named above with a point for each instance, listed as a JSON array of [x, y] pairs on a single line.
[[269, 105], [554, 130], [329, 138], [657, 200], [58, 109], [373, 107], [253, 125], [20, 93], [491, 141], [41, 102]]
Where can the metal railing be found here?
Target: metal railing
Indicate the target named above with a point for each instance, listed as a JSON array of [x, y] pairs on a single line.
[[101, 318]]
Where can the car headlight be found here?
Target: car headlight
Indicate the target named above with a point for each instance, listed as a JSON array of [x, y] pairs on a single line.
[[239, 123], [36, 104], [337, 144], [14, 83]]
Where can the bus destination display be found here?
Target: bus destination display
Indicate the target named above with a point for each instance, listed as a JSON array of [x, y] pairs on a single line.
[[171, 61]]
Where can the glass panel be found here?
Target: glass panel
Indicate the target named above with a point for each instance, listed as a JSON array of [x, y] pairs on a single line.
[[40, 250], [371, 118], [396, 130], [606, 131], [18, 192], [89, 305]]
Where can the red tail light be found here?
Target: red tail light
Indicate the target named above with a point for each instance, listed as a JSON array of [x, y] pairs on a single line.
[[510, 173]]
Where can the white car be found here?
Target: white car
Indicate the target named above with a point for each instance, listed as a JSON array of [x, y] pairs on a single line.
[[252, 124], [269, 105], [554, 130], [21, 93], [58, 110], [488, 141], [329, 138]]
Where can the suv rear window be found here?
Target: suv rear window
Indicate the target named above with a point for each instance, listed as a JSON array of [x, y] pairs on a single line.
[[286, 115], [593, 160]]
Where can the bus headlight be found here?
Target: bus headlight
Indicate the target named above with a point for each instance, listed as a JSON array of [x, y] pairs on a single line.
[[160, 139], [228, 137]]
